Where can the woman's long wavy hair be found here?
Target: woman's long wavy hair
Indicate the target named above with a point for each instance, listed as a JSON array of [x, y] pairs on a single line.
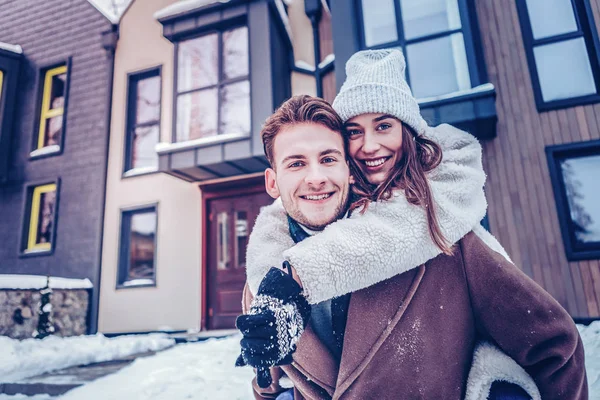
[[419, 156]]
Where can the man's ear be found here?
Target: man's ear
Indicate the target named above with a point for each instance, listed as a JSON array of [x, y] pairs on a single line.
[[351, 179], [271, 183]]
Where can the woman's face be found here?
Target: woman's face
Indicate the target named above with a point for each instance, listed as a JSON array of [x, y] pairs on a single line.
[[375, 144]]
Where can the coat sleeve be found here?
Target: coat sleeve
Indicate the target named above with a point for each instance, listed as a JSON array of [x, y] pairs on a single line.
[[389, 238], [275, 389], [525, 322]]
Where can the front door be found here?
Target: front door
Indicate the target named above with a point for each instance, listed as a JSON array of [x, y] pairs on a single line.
[[229, 224]]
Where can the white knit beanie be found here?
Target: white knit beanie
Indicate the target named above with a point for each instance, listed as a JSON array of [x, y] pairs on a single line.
[[375, 84]]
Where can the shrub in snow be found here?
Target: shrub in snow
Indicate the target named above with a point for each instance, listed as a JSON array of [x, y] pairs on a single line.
[[45, 326]]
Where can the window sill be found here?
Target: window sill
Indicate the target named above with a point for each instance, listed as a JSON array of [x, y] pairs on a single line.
[[477, 91], [580, 255], [166, 148], [36, 253], [143, 283], [139, 172], [47, 151], [473, 110], [567, 103]]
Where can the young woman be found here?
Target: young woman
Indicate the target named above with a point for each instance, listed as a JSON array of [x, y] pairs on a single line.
[[418, 196]]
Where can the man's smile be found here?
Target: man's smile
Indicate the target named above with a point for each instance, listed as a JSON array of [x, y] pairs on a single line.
[[317, 197]]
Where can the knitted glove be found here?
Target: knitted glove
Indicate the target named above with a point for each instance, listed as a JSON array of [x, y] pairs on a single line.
[[277, 317]]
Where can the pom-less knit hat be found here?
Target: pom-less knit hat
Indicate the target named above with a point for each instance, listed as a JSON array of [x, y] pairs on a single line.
[[375, 84]]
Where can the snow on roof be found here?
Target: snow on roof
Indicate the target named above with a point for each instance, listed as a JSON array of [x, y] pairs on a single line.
[[15, 48], [8, 281], [113, 10], [184, 6]]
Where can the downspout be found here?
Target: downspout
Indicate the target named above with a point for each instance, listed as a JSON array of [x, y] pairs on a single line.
[[313, 10], [109, 42]]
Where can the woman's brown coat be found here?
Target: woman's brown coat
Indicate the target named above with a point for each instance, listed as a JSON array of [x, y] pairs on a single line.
[[412, 336]]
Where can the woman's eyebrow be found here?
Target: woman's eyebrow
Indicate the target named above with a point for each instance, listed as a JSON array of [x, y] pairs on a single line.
[[385, 116]]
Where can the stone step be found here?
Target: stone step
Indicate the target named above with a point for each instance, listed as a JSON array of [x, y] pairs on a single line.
[[186, 337]]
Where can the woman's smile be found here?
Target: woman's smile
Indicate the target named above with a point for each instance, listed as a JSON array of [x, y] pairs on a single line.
[[374, 164]]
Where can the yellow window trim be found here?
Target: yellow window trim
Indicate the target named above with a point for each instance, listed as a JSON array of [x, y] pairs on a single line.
[[46, 112], [35, 215]]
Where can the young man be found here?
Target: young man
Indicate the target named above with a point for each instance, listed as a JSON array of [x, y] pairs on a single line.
[[411, 336]]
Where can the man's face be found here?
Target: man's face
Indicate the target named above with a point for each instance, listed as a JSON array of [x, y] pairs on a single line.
[[310, 174]]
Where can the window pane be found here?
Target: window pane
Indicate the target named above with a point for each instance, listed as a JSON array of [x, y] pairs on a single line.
[[46, 217], [222, 240], [379, 21], [148, 100], [583, 191], [564, 59], [197, 115], [141, 246], [235, 53], [438, 66], [53, 129], [426, 17], [241, 237], [551, 17], [197, 63], [57, 94], [144, 153], [235, 108], [329, 89]]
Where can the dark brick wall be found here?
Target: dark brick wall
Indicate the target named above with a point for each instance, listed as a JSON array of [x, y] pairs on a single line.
[[51, 31]]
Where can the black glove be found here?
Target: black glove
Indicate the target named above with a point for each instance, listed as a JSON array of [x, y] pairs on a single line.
[[277, 317]]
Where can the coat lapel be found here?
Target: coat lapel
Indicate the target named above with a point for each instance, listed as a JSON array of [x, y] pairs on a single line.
[[372, 315], [315, 360]]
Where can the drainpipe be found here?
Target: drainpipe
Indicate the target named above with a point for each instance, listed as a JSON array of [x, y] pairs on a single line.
[[313, 10], [109, 42]]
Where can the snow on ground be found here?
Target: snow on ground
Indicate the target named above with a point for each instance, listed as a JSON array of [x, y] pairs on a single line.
[[23, 397], [31, 357], [205, 370], [198, 371]]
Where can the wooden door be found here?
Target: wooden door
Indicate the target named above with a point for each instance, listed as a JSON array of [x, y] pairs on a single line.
[[229, 224]]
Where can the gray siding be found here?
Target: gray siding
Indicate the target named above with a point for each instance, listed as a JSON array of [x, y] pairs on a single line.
[[51, 32]]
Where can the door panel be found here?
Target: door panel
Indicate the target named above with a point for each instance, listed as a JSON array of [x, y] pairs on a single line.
[[229, 224]]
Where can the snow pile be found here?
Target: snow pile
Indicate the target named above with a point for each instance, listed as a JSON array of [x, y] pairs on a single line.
[[590, 335], [197, 371], [31, 357], [24, 397]]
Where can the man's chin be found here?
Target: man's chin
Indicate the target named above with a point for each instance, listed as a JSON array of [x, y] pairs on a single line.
[[317, 223]]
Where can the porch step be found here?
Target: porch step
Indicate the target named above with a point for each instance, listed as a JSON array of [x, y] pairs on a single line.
[[185, 337]]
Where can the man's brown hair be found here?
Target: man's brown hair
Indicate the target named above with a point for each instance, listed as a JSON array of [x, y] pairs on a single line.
[[297, 110]]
